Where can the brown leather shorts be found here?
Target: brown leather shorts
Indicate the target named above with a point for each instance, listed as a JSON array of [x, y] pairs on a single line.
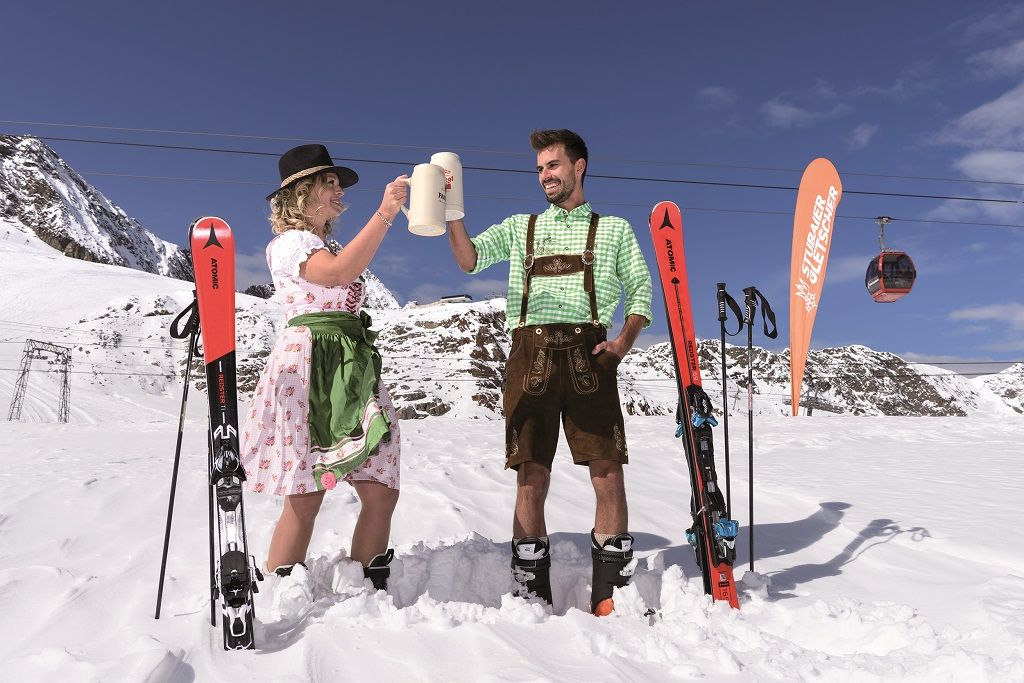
[[551, 375]]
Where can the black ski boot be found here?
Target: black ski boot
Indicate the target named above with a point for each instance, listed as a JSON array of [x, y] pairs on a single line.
[[378, 570], [610, 561], [531, 568], [286, 569]]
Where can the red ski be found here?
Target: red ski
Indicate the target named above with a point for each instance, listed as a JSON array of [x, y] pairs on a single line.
[[713, 534], [233, 571]]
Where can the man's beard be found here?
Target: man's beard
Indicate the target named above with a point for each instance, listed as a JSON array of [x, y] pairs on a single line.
[[564, 191]]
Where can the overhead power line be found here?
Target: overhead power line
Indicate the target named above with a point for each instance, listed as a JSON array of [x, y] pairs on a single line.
[[533, 200], [493, 169], [743, 167]]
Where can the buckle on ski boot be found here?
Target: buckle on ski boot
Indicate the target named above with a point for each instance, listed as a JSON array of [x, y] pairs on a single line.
[[611, 570], [531, 568], [378, 570]]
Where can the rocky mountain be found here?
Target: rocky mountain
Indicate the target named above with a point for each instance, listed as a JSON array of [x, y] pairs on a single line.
[[41, 195], [450, 358], [848, 379]]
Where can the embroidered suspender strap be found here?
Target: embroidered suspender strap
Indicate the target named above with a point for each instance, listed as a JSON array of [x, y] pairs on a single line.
[[588, 269], [528, 262]]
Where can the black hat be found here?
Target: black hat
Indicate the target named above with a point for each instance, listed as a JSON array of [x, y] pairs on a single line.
[[307, 160]]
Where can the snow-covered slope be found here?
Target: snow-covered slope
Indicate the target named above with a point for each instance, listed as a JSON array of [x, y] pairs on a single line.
[[864, 569], [1008, 385]]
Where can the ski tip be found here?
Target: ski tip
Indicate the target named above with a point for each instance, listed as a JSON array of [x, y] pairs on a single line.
[[665, 215], [206, 222], [662, 206]]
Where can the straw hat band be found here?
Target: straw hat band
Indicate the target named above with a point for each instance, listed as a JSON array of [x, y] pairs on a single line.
[[302, 174]]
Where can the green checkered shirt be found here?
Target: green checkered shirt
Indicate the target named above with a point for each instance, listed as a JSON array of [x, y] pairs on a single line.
[[619, 266]]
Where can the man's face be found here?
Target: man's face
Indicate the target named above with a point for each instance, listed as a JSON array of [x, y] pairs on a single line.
[[557, 175]]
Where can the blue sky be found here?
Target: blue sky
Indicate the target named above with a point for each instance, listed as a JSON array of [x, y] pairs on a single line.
[[668, 90]]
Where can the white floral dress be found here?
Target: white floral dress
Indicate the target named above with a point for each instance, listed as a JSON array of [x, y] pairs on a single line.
[[275, 436]]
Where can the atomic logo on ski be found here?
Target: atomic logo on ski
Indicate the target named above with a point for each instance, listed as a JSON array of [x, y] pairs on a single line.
[[666, 222], [212, 240]]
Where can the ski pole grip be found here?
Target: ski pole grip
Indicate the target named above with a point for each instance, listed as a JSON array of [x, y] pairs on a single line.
[[751, 302], [721, 302]]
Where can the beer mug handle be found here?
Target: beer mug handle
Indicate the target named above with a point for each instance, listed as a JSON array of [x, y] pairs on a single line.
[[403, 207]]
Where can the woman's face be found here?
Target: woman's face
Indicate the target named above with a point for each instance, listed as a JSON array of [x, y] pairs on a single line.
[[324, 201]]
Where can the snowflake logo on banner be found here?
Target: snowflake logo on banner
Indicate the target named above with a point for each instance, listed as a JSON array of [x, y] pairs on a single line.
[[802, 291]]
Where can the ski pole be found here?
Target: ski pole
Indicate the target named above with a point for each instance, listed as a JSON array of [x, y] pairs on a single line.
[[748, 319], [191, 330], [751, 297], [723, 316]]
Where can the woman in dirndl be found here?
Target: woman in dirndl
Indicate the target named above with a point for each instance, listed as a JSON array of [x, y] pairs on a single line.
[[320, 414]]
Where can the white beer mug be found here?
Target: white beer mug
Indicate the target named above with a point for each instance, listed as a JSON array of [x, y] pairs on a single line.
[[426, 201], [452, 166]]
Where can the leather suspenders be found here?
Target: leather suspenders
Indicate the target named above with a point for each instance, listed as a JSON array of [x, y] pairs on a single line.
[[561, 264]]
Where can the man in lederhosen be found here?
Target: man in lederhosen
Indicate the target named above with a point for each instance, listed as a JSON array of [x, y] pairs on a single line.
[[567, 269]]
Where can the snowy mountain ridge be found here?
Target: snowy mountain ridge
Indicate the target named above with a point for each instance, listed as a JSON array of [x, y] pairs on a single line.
[[41, 195]]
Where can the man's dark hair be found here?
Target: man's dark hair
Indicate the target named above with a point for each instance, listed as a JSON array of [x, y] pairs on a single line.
[[575, 148]]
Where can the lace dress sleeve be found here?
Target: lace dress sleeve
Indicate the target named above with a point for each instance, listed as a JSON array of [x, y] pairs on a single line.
[[290, 250]]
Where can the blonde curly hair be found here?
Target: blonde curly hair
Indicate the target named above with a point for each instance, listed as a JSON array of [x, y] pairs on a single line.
[[288, 207]]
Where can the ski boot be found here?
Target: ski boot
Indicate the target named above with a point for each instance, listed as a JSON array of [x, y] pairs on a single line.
[[531, 568], [378, 570], [286, 569], [610, 562]]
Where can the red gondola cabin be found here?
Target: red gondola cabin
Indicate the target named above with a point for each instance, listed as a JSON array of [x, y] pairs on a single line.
[[890, 276]]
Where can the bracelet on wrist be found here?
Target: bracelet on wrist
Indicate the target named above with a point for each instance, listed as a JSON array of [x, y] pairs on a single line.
[[385, 220]]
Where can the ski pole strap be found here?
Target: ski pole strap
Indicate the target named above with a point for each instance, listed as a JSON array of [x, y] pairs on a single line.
[[191, 324], [753, 296], [725, 299]]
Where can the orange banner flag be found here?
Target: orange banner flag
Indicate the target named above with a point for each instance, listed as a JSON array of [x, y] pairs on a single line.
[[813, 224]]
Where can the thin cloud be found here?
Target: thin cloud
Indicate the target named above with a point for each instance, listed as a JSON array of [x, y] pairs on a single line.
[[861, 136], [1000, 61], [1002, 22], [847, 269], [717, 97], [393, 262], [1008, 346], [481, 288], [990, 164], [998, 123], [1011, 314], [993, 164], [428, 292], [781, 114], [911, 81], [645, 340], [251, 269]]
